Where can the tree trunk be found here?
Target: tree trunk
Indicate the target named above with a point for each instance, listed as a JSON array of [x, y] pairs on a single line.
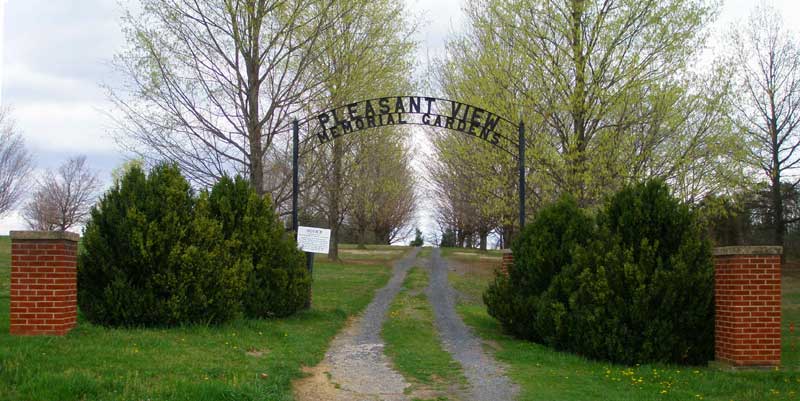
[[775, 179], [578, 107], [468, 240], [362, 238], [334, 206], [252, 64], [778, 221], [508, 234], [484, 239]]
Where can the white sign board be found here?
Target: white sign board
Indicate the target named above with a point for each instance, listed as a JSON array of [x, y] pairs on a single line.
[[313, 239]]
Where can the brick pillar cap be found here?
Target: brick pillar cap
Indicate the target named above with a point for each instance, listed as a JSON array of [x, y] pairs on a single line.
[[748, 250], [45, 235], [505, 251]]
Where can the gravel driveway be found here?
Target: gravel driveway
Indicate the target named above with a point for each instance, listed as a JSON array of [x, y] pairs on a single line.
[[355, 367], [486, 377]]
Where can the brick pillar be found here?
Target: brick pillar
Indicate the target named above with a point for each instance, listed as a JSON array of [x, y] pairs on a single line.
[[44, 291], [508, 260], [747, 285]]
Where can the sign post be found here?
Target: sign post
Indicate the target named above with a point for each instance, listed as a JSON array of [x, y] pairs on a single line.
[[312, 240]]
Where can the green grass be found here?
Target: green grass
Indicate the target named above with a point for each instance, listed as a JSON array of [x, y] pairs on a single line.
[[425, 252], [545, 374], [790, 352], [372, 253], [469, 254], [411, 338], [376, 247], [243, 360]]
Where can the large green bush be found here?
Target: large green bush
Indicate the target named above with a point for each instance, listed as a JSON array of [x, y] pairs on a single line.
[[639, 290], [278, 283], [644, 288], [540, 253], [153, 255]]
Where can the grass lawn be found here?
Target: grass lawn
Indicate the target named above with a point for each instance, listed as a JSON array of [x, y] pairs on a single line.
[[790, 352], [370, 254], [544, 374], [412, 341], [468, 254], [425, 252], [243, 360]]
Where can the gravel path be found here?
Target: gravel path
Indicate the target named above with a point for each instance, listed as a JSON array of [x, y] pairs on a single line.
[[486, 377], [355, 367]]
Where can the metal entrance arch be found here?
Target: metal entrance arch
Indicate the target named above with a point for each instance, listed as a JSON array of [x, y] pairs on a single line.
[[412, 110]]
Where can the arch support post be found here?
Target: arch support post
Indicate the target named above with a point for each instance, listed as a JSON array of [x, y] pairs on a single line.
[[295, 197], [521, 175]]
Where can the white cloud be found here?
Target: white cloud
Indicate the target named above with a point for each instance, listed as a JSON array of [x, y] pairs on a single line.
[[12, 222], [73, 127]]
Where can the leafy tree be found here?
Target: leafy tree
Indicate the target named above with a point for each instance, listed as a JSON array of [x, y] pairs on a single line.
[[382, 194], [367, 55], [606, 95]]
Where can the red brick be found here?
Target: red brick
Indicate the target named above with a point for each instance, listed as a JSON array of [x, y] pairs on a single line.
[[747, 302], [43, 287]]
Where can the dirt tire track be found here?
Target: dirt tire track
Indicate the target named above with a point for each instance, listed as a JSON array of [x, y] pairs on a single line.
[[486, 376], [355, 366]]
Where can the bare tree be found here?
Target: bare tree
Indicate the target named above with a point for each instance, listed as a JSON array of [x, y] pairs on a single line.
[[63, 199], [213, 83], [15, 165], [766, 60]]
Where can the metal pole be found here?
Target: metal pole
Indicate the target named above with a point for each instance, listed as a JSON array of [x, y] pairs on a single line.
[[521, 175], [295, 195], [310, 267], [295, 174]]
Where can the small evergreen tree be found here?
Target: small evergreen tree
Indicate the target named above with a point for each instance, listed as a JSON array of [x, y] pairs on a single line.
[[278, 282], [150, 259], [417, 241], [643, 289], [541, 252], [448, 239]]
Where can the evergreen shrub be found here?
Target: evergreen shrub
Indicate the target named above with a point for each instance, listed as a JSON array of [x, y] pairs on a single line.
[[639, 290], [278, 282], [542, 250], [153, 256]]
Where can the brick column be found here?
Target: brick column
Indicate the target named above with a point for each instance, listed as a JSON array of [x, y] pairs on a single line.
[[508, 260], [747, 285], [44, 291]]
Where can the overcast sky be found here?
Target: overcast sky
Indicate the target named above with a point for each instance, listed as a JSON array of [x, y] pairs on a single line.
[[56, 53]]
